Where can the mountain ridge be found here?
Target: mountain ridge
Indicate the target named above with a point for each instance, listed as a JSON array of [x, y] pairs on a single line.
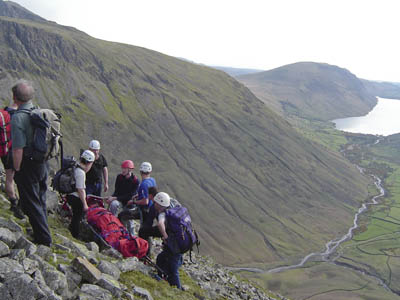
[[309, 90]]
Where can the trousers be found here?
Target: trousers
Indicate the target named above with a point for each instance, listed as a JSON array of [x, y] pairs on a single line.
[[31, 182], [170, 263]]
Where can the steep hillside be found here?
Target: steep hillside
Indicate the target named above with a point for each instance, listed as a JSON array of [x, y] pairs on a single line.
[[311, 90], [256, 189], [388, 90]]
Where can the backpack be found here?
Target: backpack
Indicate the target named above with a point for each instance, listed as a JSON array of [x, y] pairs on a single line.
[[5, 132], [181, 236], [133, 246], [115, 234], [46, 142], [64, 180]]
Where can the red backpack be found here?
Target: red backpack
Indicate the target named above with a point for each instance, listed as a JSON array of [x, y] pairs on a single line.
[[133, 246], [115, 234], [5, 132], [109, 226]]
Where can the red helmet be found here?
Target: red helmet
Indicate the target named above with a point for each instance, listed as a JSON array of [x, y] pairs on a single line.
[[127, 164]]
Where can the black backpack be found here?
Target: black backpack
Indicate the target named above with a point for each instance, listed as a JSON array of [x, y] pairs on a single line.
[[64, 180]]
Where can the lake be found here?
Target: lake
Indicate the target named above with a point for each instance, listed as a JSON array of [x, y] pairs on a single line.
[[383, 119]]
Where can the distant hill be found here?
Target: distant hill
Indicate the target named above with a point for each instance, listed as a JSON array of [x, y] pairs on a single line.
[[14, 10], [256, 189], [311, 90], [236, 71], [389, 90]]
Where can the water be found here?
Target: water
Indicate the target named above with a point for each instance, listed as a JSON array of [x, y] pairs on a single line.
[[383, 119]]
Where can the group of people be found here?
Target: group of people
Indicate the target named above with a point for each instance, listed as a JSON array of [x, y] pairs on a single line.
[[133, 198], [131, 194]]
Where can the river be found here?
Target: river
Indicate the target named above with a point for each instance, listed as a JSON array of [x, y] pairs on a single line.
[[383, 119], [331, 246]]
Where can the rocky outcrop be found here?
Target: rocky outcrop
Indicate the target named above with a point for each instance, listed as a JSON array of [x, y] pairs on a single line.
[[73, 270]]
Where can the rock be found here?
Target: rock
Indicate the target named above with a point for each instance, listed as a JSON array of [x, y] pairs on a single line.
[[88, 271], [30, 266], [21, 288], [142, 293], [9, 269], [4, 249], [62, 247], [44, 251], [17, 254], [52, 199], [95, 291], [38, 278], [27, 245], [54, 279], [128, 264], [73, 278], [92, 246], [110, 284], [110, 269], [11, 225], [8, 237], [112, 253]]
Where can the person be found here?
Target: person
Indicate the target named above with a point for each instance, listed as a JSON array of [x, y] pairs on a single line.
[[147, 230], [98, 172], [126, 186], [143, 201], [168, 260], [77, 199], [7, 161], [30, 175]]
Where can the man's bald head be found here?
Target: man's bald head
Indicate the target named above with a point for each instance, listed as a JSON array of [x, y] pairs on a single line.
[[23, 90]]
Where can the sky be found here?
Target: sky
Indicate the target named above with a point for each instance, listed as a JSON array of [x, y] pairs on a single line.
[[359, 35]]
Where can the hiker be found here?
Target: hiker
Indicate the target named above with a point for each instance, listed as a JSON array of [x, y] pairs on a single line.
[[7, 161], [98, 172], [143, 201], [168, 260], [148, 230], [77, 199], [126, 186], [30, 175]]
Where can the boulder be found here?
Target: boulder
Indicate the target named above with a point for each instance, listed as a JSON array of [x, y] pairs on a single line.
[[109, 268], [88, 271], [23, 243], [110, 284], [8, 237], [95, 292], [10, 269], [4, 249], [22, 287]]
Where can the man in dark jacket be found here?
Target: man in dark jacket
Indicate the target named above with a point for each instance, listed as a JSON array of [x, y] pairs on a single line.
[[98, 172], [30, 175]]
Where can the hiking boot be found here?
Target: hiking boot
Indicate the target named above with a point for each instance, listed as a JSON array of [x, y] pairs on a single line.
[[17, 212]]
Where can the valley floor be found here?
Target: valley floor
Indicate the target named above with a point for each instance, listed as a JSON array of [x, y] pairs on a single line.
[[368, 266]]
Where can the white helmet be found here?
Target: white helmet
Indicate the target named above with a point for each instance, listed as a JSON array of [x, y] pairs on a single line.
[[145, 167], [88, 155], [162, 199], [94, 144]]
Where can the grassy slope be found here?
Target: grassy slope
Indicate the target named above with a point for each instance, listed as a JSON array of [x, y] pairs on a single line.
[[311, 90], [375, 249], [257, 190]]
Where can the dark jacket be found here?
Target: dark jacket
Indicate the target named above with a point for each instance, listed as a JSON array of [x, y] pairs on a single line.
[[125, 188]]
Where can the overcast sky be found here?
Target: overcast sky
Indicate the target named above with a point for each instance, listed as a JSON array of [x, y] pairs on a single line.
[[359, 35]]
